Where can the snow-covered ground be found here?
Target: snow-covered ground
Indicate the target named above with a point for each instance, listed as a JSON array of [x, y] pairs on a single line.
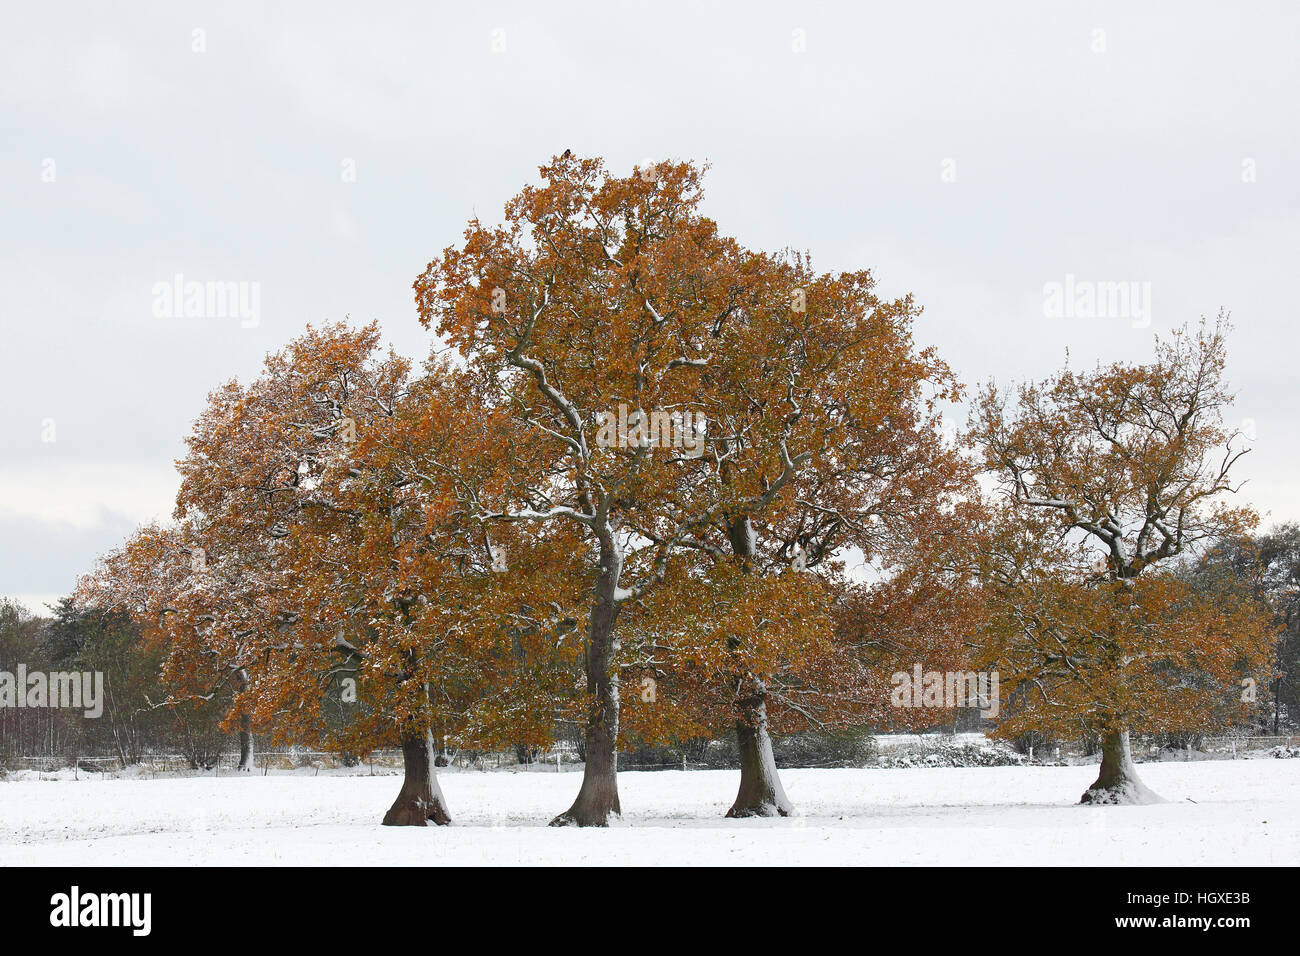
[[1235, 812]]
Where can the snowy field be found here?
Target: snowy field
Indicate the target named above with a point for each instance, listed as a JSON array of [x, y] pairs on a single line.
[[1233, 812]]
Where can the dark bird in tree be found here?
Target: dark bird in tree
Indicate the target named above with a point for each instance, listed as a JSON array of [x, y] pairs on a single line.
[[568, 153]]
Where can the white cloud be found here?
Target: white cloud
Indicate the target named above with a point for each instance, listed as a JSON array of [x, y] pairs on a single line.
[[226, 165], [81, 495], [36, 604]]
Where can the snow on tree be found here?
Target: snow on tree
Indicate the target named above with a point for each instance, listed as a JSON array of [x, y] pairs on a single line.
[[827, 438], [307, 551], [1109, 478], [603, 298]]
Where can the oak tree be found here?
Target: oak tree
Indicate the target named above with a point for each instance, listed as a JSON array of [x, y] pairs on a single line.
[[1108, 475]]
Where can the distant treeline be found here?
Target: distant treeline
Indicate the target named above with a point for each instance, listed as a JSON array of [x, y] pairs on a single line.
[[133, 722]]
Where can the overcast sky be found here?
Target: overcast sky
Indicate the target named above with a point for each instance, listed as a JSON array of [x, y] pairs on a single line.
[[969, 153]]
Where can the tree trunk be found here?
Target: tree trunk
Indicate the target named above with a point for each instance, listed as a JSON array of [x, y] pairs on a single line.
[[761, 793], [1277, 704], [245, 743], [598, 796], [420, 799], [1117, 783], [245, 727]]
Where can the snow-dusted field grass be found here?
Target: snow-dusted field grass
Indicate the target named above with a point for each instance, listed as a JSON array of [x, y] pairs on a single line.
[[1245, 812]]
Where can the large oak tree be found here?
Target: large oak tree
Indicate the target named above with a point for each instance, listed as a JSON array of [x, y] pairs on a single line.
[[604, 298], [1109, 475]]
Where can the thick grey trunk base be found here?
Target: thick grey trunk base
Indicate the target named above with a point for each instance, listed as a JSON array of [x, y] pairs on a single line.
[[420, 800], [597, 800], [595, 806], [761, 793], [1117, 783]]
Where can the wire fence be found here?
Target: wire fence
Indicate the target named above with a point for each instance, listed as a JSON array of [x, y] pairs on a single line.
[[565, 759], [280, 760], [1244, 744]]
